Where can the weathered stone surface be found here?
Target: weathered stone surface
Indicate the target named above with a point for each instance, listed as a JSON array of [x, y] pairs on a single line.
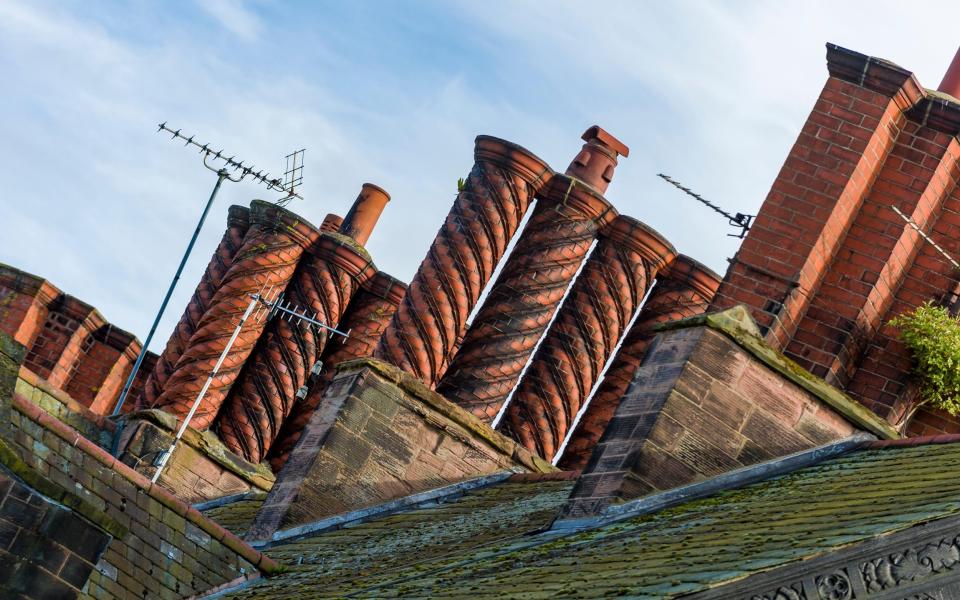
[[703, 402], [379, 434], [200, 468]]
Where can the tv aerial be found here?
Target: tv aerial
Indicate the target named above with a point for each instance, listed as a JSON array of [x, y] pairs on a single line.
[[736, 220], [292, 178]]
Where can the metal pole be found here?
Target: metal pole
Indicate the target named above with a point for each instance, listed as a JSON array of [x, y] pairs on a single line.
[[163, 458], [221, 175]]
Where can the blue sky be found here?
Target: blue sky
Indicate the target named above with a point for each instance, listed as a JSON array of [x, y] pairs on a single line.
[[394, 93]]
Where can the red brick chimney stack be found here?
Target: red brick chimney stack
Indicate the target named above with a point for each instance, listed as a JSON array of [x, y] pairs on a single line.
[[328, 275], [598, 158], [271, 250], [424, 333], [365, 213], [951, 79]]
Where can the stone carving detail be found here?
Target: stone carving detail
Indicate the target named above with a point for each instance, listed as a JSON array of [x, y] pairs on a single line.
[[785, 592], [834, 586], [922, 564], [913, 565]]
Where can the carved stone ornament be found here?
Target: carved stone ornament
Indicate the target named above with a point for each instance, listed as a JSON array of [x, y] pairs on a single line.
[[919, 563]]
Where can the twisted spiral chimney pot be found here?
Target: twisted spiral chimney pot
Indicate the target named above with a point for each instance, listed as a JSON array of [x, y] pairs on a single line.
[[528, 290], [588, 326], [238, 221], [424, 332], [271, 250], [684, 289]]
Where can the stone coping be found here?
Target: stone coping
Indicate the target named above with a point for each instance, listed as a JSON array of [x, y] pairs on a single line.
[[36, 414], [448, 409], [66, 399], [737, 324], [56, 492], [206, 443]]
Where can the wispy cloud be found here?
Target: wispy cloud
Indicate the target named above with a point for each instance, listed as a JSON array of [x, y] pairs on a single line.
[[233, 15], [394, 93]]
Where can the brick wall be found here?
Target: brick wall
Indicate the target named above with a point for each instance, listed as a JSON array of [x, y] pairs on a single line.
[[46, 549], [707, 399], [170, 550]]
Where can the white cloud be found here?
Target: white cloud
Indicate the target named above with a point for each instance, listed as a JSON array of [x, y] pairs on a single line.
[[391, 93], [233, 15]]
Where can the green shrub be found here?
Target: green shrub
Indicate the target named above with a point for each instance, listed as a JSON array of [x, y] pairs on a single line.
[[933, 337]]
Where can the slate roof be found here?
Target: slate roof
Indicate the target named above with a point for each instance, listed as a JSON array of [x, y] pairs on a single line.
[[237, 516], [484, 544]]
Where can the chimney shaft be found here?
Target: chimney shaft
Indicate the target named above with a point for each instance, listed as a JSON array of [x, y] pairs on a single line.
[[365, 213], [951, 79]]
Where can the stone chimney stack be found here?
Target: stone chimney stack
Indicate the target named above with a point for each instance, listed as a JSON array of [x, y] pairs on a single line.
[[683, 289], [366, 318]]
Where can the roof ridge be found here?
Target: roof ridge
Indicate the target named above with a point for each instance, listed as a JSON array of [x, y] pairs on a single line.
[[726, 481], [924, 440]]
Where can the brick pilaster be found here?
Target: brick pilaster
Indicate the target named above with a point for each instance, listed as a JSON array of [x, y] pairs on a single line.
[[824, 181]]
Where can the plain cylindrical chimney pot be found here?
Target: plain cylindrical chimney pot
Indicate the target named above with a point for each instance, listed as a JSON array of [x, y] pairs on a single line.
[[365, 213], [951, 79]]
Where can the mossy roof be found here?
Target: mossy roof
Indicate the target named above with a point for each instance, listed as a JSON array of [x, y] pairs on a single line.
[[237, 516], [484, 545]]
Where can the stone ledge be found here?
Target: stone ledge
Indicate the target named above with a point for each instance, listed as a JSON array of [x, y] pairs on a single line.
[[205, 442], [737, 324], [876, 74]]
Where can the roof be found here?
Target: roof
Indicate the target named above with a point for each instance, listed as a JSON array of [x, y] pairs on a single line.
[[235, 516], [485, 544]]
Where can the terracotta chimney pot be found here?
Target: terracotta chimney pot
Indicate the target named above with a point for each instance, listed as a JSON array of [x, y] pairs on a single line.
[[365, 213], [598, 158], [951, 79], [331, 223]]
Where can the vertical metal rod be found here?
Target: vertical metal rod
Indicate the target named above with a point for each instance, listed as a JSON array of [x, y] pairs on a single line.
[[196, 403], [221, 175]]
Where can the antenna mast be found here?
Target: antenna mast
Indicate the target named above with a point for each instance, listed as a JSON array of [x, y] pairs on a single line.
[[263, 304], [738, 220], [292, 178]]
